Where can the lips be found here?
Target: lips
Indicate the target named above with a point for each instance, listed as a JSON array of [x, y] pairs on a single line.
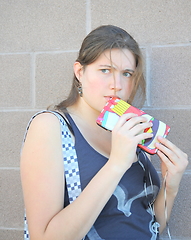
[[109, 97]]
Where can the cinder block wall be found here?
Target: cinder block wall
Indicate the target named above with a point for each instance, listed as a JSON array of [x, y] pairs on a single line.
[[39, 42]]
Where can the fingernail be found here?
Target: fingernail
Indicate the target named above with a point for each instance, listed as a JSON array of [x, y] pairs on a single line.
[[157, 144], [160, 137]]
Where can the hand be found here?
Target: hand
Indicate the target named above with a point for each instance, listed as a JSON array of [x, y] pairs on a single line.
[[173, 162], [126, 135]]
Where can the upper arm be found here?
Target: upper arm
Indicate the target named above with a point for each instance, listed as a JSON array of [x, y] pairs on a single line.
[[42, 172]]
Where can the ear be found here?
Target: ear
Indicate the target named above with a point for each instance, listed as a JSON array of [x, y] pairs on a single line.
[[78, 70]]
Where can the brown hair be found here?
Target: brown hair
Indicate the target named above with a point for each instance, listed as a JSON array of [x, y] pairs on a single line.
[[96, 42]]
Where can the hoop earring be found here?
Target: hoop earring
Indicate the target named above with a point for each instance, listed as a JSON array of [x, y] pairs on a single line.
[[80, 91]]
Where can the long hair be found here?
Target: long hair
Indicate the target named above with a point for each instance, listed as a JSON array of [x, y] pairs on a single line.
[[95, 43]]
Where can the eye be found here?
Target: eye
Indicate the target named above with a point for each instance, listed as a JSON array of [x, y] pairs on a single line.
[[105, 70], [127, 74]]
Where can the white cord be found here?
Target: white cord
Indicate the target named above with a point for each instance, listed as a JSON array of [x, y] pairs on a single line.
[[151, 206], [166, 208], [165, 199]]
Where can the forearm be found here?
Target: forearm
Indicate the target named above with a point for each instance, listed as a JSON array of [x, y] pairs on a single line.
[[173, 165], [75, 220], [163, 206]]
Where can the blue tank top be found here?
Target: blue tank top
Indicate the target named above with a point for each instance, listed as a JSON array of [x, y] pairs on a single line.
[[128, 214]]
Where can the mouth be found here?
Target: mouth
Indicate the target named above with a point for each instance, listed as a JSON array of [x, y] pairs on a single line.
[[109, 97]]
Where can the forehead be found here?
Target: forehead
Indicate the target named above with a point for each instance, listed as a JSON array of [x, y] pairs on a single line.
[[117, 57]]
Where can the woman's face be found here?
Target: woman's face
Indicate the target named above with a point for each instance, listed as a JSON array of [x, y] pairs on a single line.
[[110, 75]]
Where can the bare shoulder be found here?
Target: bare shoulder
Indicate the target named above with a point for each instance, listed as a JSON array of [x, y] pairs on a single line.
[[44, 131], [44, 123], [46, 119], [43, 143]]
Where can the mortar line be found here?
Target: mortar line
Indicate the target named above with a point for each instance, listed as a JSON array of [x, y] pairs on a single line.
[[12, 229], [41, 52], [16, 109], [88, 29], [171, 45], [32, 79], [56, 52], [148, 76], [10, 168], [88, 16], [166, 45], [180, 107]]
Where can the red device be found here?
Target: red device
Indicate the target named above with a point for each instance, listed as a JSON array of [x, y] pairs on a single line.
[[116, 107]]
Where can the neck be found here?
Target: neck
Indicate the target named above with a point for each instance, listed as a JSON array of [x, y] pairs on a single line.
[[82, 112], [85, 118]]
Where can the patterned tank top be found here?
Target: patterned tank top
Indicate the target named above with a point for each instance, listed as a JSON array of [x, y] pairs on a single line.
[[128, 215]]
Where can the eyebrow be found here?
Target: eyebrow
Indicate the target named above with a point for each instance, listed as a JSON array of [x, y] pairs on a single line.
[[109, 66]]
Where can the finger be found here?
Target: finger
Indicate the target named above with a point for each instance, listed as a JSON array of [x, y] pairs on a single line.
[[173, 153], [143, 136], [177, 166], [168, 153], [139, 128], [130, 120], [165, 160], [170, 146], [134, 128]]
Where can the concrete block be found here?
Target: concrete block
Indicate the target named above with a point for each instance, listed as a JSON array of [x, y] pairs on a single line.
[[180, 127], [13, 125], [170, 76], [181, 214], [12, 207], [149, 21], [41, 25], [15, 87], [11, 234], [54, 74], [139, 101]]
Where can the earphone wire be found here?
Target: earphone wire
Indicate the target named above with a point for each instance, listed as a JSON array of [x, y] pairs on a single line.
[[151, 205], [165, 199], [166, 208]]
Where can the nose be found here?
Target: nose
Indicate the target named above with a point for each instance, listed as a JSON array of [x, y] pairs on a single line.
[[116, 83]]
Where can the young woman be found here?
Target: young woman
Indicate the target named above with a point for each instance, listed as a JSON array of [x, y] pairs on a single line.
[[121, 196]]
